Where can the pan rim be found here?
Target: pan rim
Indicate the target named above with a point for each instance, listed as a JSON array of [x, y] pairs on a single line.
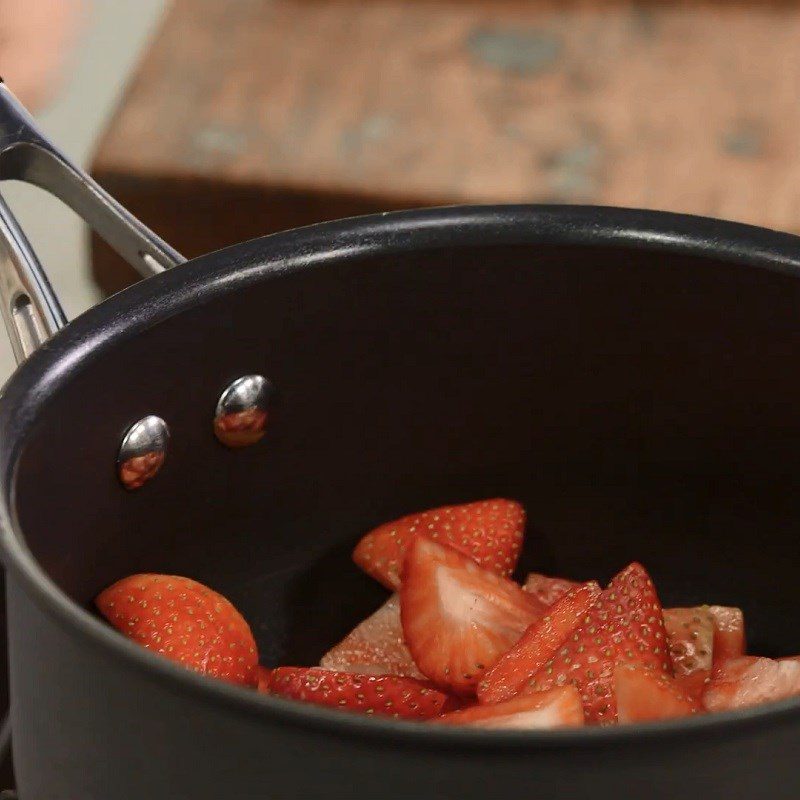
[[266, 258]]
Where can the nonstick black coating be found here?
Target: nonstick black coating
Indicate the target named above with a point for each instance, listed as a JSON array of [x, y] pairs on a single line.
[[631, 377]]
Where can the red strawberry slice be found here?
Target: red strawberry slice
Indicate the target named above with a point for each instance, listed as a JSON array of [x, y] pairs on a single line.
[[729, 635], [384, 695], [728, 670], [626, 624], [643, 695], [546, 589], [376, 646], [184, 621], [750, 681], [458, 619], [690, 633], [556, 708], [262, 676], [537, 646], [489, 531]]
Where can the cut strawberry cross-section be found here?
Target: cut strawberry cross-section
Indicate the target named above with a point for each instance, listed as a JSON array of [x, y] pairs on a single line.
[[546, 589], [537, 646], [489, 531], [690, 633], [376, 646], [384, 695], [458, 619], [556, 708], [626, 624], [729, 634], [749, 681], [644, 696]]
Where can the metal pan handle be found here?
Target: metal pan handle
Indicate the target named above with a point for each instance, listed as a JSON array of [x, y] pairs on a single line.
[[31, 310]]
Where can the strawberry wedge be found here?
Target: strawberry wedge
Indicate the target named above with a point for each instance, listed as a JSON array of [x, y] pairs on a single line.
[[690, 634], [458, 619], [729, 633], [489, 532], [376, 646], [184, 621], [557, 708], [626, 624], [537, 646], [645, 696], [383, 695], [750, 681]]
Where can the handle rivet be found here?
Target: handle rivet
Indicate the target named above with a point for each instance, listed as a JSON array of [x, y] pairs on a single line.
[[142, 452], [240, 418]]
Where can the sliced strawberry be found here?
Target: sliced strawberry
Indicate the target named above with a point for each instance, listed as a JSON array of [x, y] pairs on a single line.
[[750, 681], [375, 647], [556, 708], [458, 619], [262, 675], [489, 532], [537, 646], [548, 590], [729, 635], [690, 634], [385, 695], [643, 695], [625, 625], [728, 670], [184, 621]]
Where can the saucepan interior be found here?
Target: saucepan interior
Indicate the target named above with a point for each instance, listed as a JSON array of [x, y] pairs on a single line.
[[638, 393]]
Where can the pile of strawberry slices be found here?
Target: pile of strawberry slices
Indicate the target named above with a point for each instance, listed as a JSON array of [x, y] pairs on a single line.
[[458, 642]]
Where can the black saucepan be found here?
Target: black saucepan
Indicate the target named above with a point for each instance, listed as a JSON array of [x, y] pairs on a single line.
[[630, 376]]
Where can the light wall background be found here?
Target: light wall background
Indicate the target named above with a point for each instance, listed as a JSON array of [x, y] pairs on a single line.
[[114, 37]]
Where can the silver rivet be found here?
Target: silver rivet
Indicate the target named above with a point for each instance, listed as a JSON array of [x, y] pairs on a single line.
[[142, 451], [240, 418]]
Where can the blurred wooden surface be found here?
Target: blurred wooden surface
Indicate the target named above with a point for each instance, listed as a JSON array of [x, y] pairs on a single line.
[[251, 116]]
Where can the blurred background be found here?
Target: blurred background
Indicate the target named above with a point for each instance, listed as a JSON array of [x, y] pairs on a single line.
[[220, 120], [68, 61]]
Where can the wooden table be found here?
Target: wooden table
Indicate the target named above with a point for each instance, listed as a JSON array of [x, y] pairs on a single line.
[[251, 116]]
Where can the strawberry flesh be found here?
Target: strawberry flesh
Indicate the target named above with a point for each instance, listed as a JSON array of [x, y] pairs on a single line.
[[750, 681], [184, 621], [376, 646], [458, 619], [644, 696], [626, 624], [262, 676], [729, 634], [489, 531], [546, 589], [690, 635], [382, 695], [537, 646], [556, 708]]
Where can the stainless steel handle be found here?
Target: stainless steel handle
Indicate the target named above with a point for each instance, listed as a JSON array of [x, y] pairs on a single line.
[[31, 310]]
